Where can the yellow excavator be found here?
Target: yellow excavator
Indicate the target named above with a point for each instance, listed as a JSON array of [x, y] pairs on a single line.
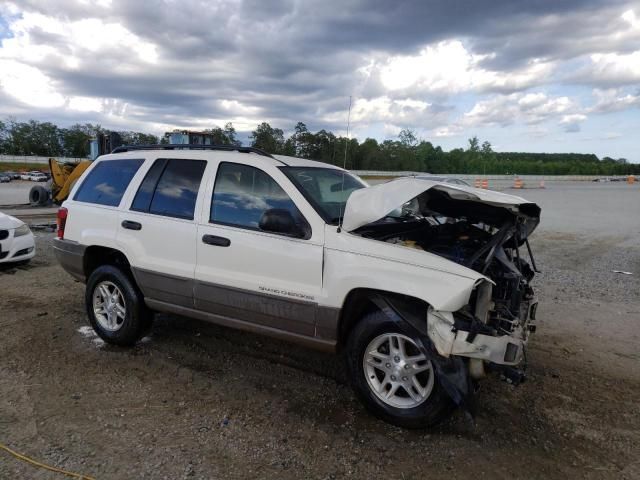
[[64, 175]]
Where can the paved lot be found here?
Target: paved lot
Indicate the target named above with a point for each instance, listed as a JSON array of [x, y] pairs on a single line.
[[196, 401], [15, 192]]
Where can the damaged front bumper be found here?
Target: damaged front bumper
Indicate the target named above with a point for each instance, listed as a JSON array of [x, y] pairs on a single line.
[[449, 340], [447, 345]]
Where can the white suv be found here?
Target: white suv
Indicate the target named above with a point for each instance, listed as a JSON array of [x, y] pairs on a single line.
[[422, 285]]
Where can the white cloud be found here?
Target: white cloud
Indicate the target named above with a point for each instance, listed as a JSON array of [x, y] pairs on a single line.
[[613, 100], [90, 35], [630, 17], [573, 118], [572, 122], [448, 131], [611, 136], [404, 111], [530, 108], [23, 60], [126, 65], [85, 104], [29, 85], [449, 67], [236, 108], [614, 68]]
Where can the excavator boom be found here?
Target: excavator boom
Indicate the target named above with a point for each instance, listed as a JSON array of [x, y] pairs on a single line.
[[64, 176]]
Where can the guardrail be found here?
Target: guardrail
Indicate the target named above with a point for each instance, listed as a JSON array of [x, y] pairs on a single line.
[[472, 177], [34, 159]]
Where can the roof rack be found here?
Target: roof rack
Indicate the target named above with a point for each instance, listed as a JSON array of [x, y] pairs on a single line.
[[188, 146]]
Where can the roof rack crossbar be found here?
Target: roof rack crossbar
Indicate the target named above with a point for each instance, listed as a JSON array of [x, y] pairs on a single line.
[[189, 146]]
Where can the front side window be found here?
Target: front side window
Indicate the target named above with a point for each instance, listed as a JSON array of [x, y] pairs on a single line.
[[242, 194], [170, 188], [327, 189], [107, 181]]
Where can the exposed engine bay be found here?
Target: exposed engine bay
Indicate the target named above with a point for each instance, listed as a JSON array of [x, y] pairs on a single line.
[[490, 239]]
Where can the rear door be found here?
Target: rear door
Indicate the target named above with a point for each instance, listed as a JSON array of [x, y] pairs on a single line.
[[250, 275], [158, 231], [94, 203]]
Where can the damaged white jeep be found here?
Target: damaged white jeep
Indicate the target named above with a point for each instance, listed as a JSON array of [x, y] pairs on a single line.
[[422, 286]]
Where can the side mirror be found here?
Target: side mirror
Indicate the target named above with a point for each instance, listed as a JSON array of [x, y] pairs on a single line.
[[279, 220]]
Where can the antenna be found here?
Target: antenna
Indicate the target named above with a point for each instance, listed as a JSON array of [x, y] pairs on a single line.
[[344, 163]]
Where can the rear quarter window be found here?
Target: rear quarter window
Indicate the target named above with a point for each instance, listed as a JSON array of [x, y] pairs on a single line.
[[106, 182]]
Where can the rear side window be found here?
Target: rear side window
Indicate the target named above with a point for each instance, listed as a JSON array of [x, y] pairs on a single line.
[[170, 188], [107, 182], [242, 194]]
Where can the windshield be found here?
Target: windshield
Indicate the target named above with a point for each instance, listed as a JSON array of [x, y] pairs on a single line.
[[327, 189]]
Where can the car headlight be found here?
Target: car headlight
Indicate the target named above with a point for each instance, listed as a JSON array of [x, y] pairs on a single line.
[[22, 230]]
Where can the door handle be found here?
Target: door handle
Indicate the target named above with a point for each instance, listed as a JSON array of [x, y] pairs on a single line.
[[216, 241], [128, 224]]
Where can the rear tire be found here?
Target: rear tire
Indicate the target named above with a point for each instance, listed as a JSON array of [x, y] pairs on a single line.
[[379, 355], [116, 307]]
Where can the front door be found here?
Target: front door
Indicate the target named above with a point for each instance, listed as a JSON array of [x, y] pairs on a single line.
[[249, 274]]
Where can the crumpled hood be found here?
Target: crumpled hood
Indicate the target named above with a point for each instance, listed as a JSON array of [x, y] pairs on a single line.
[[7, 222], [368, 205]]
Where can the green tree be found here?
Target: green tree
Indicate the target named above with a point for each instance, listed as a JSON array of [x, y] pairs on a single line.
[[408, 138], [33, 138], [224, 136], [4, 134], [76, 139], [474, 145], [268, 138], [232, 136], [138, 138]]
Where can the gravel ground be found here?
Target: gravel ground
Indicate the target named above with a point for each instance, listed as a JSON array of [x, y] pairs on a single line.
[[195, 401]]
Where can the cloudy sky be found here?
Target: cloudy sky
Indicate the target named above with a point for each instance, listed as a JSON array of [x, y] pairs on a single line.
[[535, 75]]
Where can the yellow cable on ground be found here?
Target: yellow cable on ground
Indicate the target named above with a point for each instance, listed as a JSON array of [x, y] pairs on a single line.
[[24, 458]]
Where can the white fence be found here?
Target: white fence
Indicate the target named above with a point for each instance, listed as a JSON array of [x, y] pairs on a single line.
[[34, 159]]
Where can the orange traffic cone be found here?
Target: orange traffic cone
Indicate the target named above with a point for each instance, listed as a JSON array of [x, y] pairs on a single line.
[[485, 184], [477, 183], [518, 183]]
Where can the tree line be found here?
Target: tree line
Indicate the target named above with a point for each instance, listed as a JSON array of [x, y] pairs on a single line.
[[405, 153], [408, 153], [48, 140]]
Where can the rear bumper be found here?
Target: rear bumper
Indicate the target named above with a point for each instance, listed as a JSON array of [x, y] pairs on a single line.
[[70, 255]]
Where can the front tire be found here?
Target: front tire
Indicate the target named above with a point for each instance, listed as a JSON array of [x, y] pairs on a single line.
[[392, 377], [115, 307]]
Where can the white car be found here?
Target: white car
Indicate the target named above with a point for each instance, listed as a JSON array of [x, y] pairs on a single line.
[[423, 286], [28, 175], [16, 240], [38, 177]]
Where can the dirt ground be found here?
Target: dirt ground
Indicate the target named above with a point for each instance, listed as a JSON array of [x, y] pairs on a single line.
[[195, 401]]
